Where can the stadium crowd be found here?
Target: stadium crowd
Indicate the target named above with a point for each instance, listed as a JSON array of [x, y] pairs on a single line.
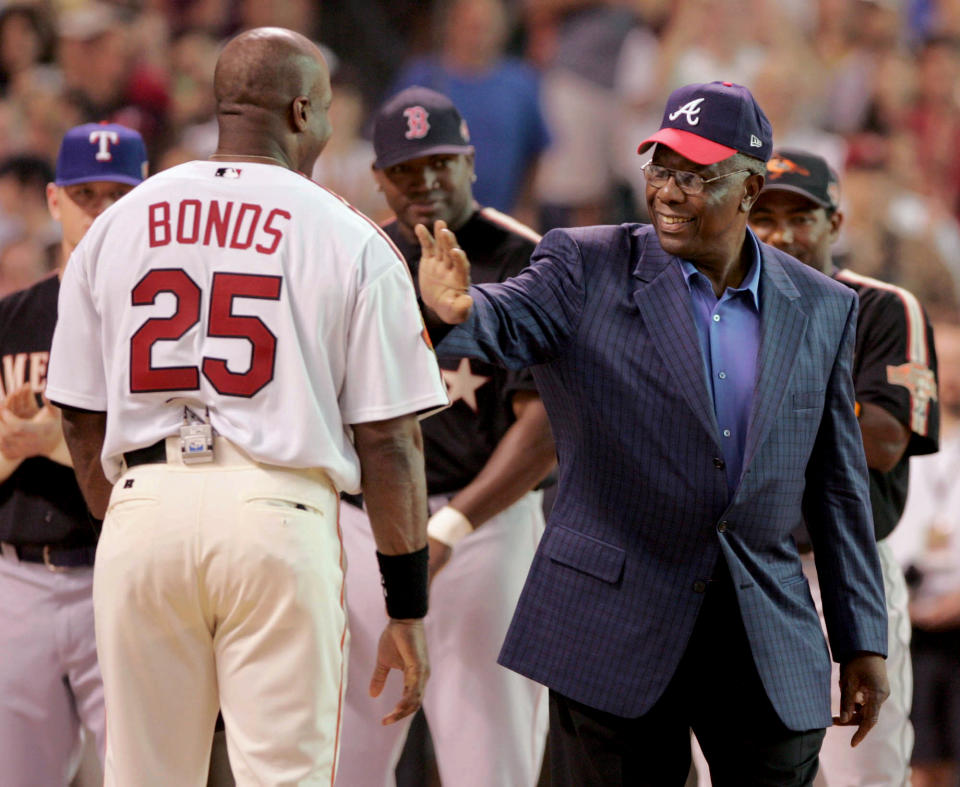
[[556, 93], [871, 86]]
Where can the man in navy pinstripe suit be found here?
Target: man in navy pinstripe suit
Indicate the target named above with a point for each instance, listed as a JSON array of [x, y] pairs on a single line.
[[699, 388]]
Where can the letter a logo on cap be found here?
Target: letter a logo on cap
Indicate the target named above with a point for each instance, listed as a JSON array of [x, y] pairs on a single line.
[[106, 139], [417, 123], [691, 110]]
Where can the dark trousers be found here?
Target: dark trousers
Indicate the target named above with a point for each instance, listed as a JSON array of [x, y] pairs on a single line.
[[715, 691]]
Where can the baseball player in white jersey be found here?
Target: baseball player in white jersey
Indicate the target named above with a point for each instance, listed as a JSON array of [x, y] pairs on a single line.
[[485, 454], [49, 679], [237, 345]]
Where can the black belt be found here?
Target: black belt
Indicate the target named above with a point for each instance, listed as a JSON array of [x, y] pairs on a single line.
[[151, 455], [55, 557], [354, 500]]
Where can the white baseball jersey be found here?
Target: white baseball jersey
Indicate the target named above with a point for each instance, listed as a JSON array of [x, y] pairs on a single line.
[[251, 290]]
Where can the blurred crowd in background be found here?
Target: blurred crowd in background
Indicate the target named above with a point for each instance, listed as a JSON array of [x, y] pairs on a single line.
[[556, 93]]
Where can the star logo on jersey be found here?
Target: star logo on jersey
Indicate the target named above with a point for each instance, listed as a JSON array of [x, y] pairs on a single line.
[[463, 383], [919, 380]]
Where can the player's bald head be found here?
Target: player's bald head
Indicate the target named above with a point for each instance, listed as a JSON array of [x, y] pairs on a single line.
[[267, 68]]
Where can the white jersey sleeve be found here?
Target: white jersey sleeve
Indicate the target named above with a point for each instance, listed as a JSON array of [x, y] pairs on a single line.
[[81, 382], [384, 347]]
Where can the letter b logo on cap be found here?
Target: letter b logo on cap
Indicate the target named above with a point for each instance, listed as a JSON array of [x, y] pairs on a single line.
[[417, 123]]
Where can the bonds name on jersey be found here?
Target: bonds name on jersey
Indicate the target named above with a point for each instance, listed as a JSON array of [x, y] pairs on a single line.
[[895, 367], [249, 289], [40, 502], [458, 441]]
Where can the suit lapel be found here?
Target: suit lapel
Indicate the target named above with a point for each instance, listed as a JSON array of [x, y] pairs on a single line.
[[664, 303], [782, 326]]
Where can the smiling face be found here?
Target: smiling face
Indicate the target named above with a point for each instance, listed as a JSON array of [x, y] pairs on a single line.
[[705, 228], [425, 189], [796, 225]]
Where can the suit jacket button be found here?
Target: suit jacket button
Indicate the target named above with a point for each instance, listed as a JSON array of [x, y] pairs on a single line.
[[719, 463], [722, 527], [699, 586]]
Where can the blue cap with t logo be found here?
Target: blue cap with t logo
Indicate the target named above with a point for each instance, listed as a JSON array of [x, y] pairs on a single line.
[[101, 151]]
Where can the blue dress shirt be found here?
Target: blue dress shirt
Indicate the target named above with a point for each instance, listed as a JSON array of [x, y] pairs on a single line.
[[729, 330]]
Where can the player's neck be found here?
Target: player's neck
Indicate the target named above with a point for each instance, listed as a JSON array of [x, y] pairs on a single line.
[[66, 249], [225, 156]]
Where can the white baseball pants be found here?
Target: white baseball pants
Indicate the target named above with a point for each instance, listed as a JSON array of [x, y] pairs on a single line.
[[883, 758], [220, 584], [49, 679], [488, 724]]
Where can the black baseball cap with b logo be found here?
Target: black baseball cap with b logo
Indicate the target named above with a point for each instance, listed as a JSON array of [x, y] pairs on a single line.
[[418, 122], [707, 123]]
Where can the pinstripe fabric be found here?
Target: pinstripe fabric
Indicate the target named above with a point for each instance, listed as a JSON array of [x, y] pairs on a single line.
[[614, 590]]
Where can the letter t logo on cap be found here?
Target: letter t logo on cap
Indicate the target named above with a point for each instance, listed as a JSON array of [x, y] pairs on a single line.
[[105, 139]]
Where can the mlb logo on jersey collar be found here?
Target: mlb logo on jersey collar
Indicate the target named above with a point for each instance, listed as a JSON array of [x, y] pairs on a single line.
[[707, 123]]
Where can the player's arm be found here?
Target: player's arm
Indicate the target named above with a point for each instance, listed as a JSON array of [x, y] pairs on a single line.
[[897, 359], [395, 495], [884, 438], [84, 431], [523, 457]]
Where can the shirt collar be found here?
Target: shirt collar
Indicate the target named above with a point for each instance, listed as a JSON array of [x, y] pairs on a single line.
[[750, 283]]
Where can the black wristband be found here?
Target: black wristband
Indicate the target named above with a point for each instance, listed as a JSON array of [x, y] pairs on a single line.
[[404, 579]]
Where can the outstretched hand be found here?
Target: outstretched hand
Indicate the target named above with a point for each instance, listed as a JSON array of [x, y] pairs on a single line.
[[444, 274], [863, 689], [403, 646]]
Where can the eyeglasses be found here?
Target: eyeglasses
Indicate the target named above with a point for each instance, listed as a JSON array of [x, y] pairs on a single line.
[[688, 182]]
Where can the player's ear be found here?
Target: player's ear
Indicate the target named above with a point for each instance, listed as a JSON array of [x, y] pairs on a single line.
[[299, 112], [53, 200], [836, 222], [471, 160], [751, 190]]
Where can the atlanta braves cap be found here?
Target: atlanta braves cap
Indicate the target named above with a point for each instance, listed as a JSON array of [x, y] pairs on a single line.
[[803, 173], [418, 122], [707, 123], [101, 151]]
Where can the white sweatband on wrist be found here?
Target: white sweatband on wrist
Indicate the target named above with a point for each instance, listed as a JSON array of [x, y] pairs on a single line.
[[448, 526]]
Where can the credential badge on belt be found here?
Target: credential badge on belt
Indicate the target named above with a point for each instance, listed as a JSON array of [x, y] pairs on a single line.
[[196, 438]]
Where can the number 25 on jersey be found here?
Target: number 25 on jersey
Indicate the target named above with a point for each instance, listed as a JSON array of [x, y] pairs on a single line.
[[223, 323]]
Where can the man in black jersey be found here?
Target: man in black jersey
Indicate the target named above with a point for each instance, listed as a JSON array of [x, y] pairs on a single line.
[[49, 679], [484, 455], [894, 373]]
